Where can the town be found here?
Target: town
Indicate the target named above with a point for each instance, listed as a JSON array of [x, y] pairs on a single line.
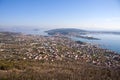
[[20, 46]]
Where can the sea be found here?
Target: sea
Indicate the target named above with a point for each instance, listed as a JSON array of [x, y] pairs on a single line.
[[107, 41]]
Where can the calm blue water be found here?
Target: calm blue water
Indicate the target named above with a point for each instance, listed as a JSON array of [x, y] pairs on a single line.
[[108, 41]]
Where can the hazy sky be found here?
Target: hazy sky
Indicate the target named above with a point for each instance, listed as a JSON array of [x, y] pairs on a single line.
[[85, 14]]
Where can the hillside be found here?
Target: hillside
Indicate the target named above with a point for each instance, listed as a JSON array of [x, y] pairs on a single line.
[[30, 57]]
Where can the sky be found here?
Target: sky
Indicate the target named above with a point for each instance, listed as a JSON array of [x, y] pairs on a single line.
[[82, 14]]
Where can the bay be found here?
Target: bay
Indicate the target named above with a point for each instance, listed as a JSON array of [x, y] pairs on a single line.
[[107, 41]]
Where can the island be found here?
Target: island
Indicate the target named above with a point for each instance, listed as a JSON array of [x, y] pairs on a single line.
[[71, 32]]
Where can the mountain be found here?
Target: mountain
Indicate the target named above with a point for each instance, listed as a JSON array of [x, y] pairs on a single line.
[[64, 31]]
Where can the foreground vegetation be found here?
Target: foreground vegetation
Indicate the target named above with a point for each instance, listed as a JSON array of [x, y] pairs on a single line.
[[58, 70]]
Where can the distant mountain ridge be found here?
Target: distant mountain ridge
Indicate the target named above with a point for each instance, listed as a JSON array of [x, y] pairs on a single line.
[[65, 31]]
